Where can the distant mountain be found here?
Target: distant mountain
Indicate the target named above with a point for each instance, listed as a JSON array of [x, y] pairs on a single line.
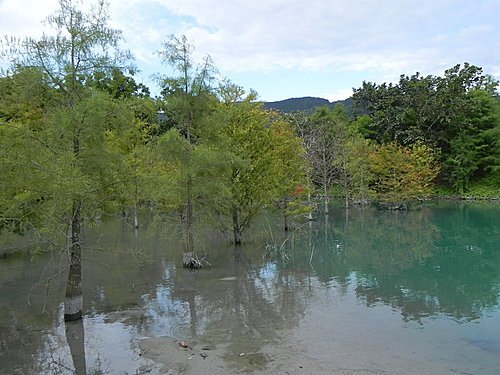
[[306, 104]]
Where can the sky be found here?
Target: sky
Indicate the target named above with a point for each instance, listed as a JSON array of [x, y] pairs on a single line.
[[291, 48]]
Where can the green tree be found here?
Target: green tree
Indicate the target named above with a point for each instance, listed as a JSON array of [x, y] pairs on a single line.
[[132, 163], [450, 114], [291, 168], [24, 94], [72, 158], [401, 173], [358, 168], [189, 101], [304, 129], [321, 152], [472, 150], [117, 84], [264, 158]]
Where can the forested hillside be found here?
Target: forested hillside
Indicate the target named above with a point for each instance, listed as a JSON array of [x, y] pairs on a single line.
[[306, 104]]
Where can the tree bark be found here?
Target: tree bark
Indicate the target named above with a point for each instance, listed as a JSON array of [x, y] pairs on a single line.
[[237, 230], [189, 218], [73, 302], [136, 217], [326, 199], [285, 216], [309, 215]]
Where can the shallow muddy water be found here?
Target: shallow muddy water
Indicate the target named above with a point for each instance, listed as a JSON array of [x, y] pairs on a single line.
[[368, 292]]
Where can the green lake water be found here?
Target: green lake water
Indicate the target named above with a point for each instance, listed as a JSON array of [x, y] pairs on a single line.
[[361, 292]]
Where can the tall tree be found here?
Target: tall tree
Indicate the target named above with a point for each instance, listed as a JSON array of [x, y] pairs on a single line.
[[188, 102], [264, 157], [358, 168], [326, 152], [291, 168], [81, 44]]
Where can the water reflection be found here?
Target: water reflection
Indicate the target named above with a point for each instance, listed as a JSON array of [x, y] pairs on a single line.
[[239, 305], [433, 263], [75, 336]]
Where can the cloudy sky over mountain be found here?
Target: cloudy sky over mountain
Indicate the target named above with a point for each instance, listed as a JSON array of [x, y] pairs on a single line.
[[299, 48]]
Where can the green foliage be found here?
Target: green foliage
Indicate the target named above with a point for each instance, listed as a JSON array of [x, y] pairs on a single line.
[[402, 173], [265, 158], [487, 187], [80, 137], [130, 147], [117, 84], [192, 143], [358, 168], [288, 157], [55, 126], [453, 114]]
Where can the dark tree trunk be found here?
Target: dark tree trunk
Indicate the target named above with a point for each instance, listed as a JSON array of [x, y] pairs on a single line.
[[189, 218], [189, 259], [237, 229], [285, 216], [73, 302]]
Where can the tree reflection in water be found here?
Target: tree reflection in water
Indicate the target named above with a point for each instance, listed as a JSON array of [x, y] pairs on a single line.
[[76, 342], [241, 306], [439, 261], [424, 262]]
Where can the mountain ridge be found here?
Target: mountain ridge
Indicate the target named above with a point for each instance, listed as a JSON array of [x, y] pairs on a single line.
[[306, 104]]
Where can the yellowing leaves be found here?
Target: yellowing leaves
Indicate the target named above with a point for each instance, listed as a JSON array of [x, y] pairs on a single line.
[[403, 172]]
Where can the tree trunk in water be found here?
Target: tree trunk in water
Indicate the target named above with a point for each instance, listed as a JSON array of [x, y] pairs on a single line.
[[285, 216], [73, 302], [76, 341], [325, 192], [310, 214], [237, 226], [189, 218], [136, 218]]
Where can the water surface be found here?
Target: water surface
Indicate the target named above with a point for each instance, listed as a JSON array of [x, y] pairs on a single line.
[[363, 291]]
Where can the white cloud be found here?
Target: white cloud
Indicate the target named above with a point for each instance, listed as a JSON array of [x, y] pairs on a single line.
[[339, 95], [24, 17], [347, 35], [342, 36]]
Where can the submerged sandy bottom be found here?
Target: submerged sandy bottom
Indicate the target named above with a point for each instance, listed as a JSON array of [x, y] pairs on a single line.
[[209, 359]]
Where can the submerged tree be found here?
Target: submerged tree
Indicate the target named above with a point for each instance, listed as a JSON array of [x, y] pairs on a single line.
[[72, 154], [188, 101], [265, 155], [325, 135], [291, 169], [358, 168]]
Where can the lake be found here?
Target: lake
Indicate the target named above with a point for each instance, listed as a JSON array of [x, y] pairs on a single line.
[[361, 292]]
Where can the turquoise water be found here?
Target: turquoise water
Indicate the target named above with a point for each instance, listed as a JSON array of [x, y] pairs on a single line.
[[362, 291]]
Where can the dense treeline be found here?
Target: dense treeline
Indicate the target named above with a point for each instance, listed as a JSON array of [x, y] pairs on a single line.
[[79, 137], [455, 115]]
